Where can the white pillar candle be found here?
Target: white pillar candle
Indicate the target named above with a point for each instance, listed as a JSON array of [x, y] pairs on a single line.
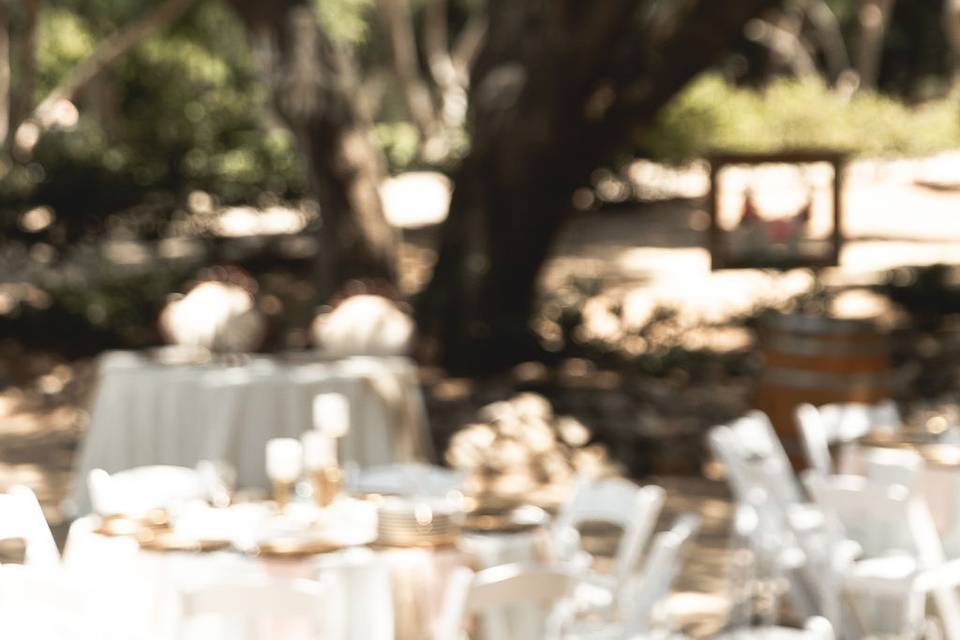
[[284, 459], [319, 450], [331, 414]]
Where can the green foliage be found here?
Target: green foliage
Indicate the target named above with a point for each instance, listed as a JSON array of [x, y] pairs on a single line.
[[932, 290], [109, 307], [182, 111], [400, 143], [345, 20], [710, 114], [64, 40]]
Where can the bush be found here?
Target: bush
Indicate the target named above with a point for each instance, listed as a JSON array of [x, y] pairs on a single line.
[[182, 111], [712, 115]]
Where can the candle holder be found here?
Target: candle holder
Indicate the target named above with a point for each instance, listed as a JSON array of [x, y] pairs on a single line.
[[327, 482], [282, 491]]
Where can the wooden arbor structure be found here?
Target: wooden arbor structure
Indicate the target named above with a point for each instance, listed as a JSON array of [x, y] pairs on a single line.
[[721, 256]]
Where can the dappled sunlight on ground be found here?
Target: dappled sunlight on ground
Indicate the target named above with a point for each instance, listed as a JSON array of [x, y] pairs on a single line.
[[700, 599], [898, 213]]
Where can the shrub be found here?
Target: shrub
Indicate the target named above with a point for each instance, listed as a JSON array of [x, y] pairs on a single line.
[[710, 114]]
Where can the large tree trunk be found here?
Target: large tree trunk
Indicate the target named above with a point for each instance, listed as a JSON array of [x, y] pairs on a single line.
[[558, 87], [315, 94]]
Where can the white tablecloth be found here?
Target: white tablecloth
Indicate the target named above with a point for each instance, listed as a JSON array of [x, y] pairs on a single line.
[[379, 594], [145, 412], [137, 590]]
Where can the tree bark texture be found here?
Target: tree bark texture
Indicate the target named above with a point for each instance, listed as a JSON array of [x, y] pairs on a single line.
[[25, 47], [398, 20], [872, 18], [316, 96], [830, 38], [951, 28], [557, 89], [4, 71]]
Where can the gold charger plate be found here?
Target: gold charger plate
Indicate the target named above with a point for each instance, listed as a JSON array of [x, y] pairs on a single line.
[[126, 525], [498, 520], [152, 541], [444, 542], [294, 548]]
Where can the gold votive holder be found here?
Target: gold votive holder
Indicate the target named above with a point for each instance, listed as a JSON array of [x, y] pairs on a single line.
[[327, 482], [282, 491]]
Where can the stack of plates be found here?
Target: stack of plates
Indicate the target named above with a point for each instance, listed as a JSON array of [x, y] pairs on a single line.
[[413, 522]]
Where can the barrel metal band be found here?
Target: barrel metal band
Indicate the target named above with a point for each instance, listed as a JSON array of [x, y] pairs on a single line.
[[794, 378], [817, 347]]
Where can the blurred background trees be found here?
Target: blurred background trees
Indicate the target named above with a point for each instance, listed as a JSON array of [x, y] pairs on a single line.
[[135, 121]]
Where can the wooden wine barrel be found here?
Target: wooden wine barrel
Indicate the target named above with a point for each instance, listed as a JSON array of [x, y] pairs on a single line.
[[818, 359]]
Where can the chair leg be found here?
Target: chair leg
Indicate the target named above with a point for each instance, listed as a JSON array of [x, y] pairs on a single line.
[[948, 606], [914, 615]]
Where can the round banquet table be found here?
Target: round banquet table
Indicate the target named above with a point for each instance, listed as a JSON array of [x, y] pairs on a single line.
[[377, 593], [148, 411], [137, 590]]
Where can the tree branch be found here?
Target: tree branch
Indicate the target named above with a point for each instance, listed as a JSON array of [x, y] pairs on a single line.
[[872, 17], [830, 38], [399, 24], [468, 43], [25, 46], [109, 49], [784, 44]]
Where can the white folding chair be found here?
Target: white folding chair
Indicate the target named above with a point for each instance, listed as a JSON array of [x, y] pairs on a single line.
[[505, 587], [780, 528], [814, 438], [660, 569], [758, 441], [141, 489], [873, 514], [840, 423], [750, 468], [22, 517], [253, 604], [619, 502]]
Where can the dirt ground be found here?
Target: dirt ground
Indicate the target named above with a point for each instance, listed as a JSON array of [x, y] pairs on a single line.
[[647, 257]]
